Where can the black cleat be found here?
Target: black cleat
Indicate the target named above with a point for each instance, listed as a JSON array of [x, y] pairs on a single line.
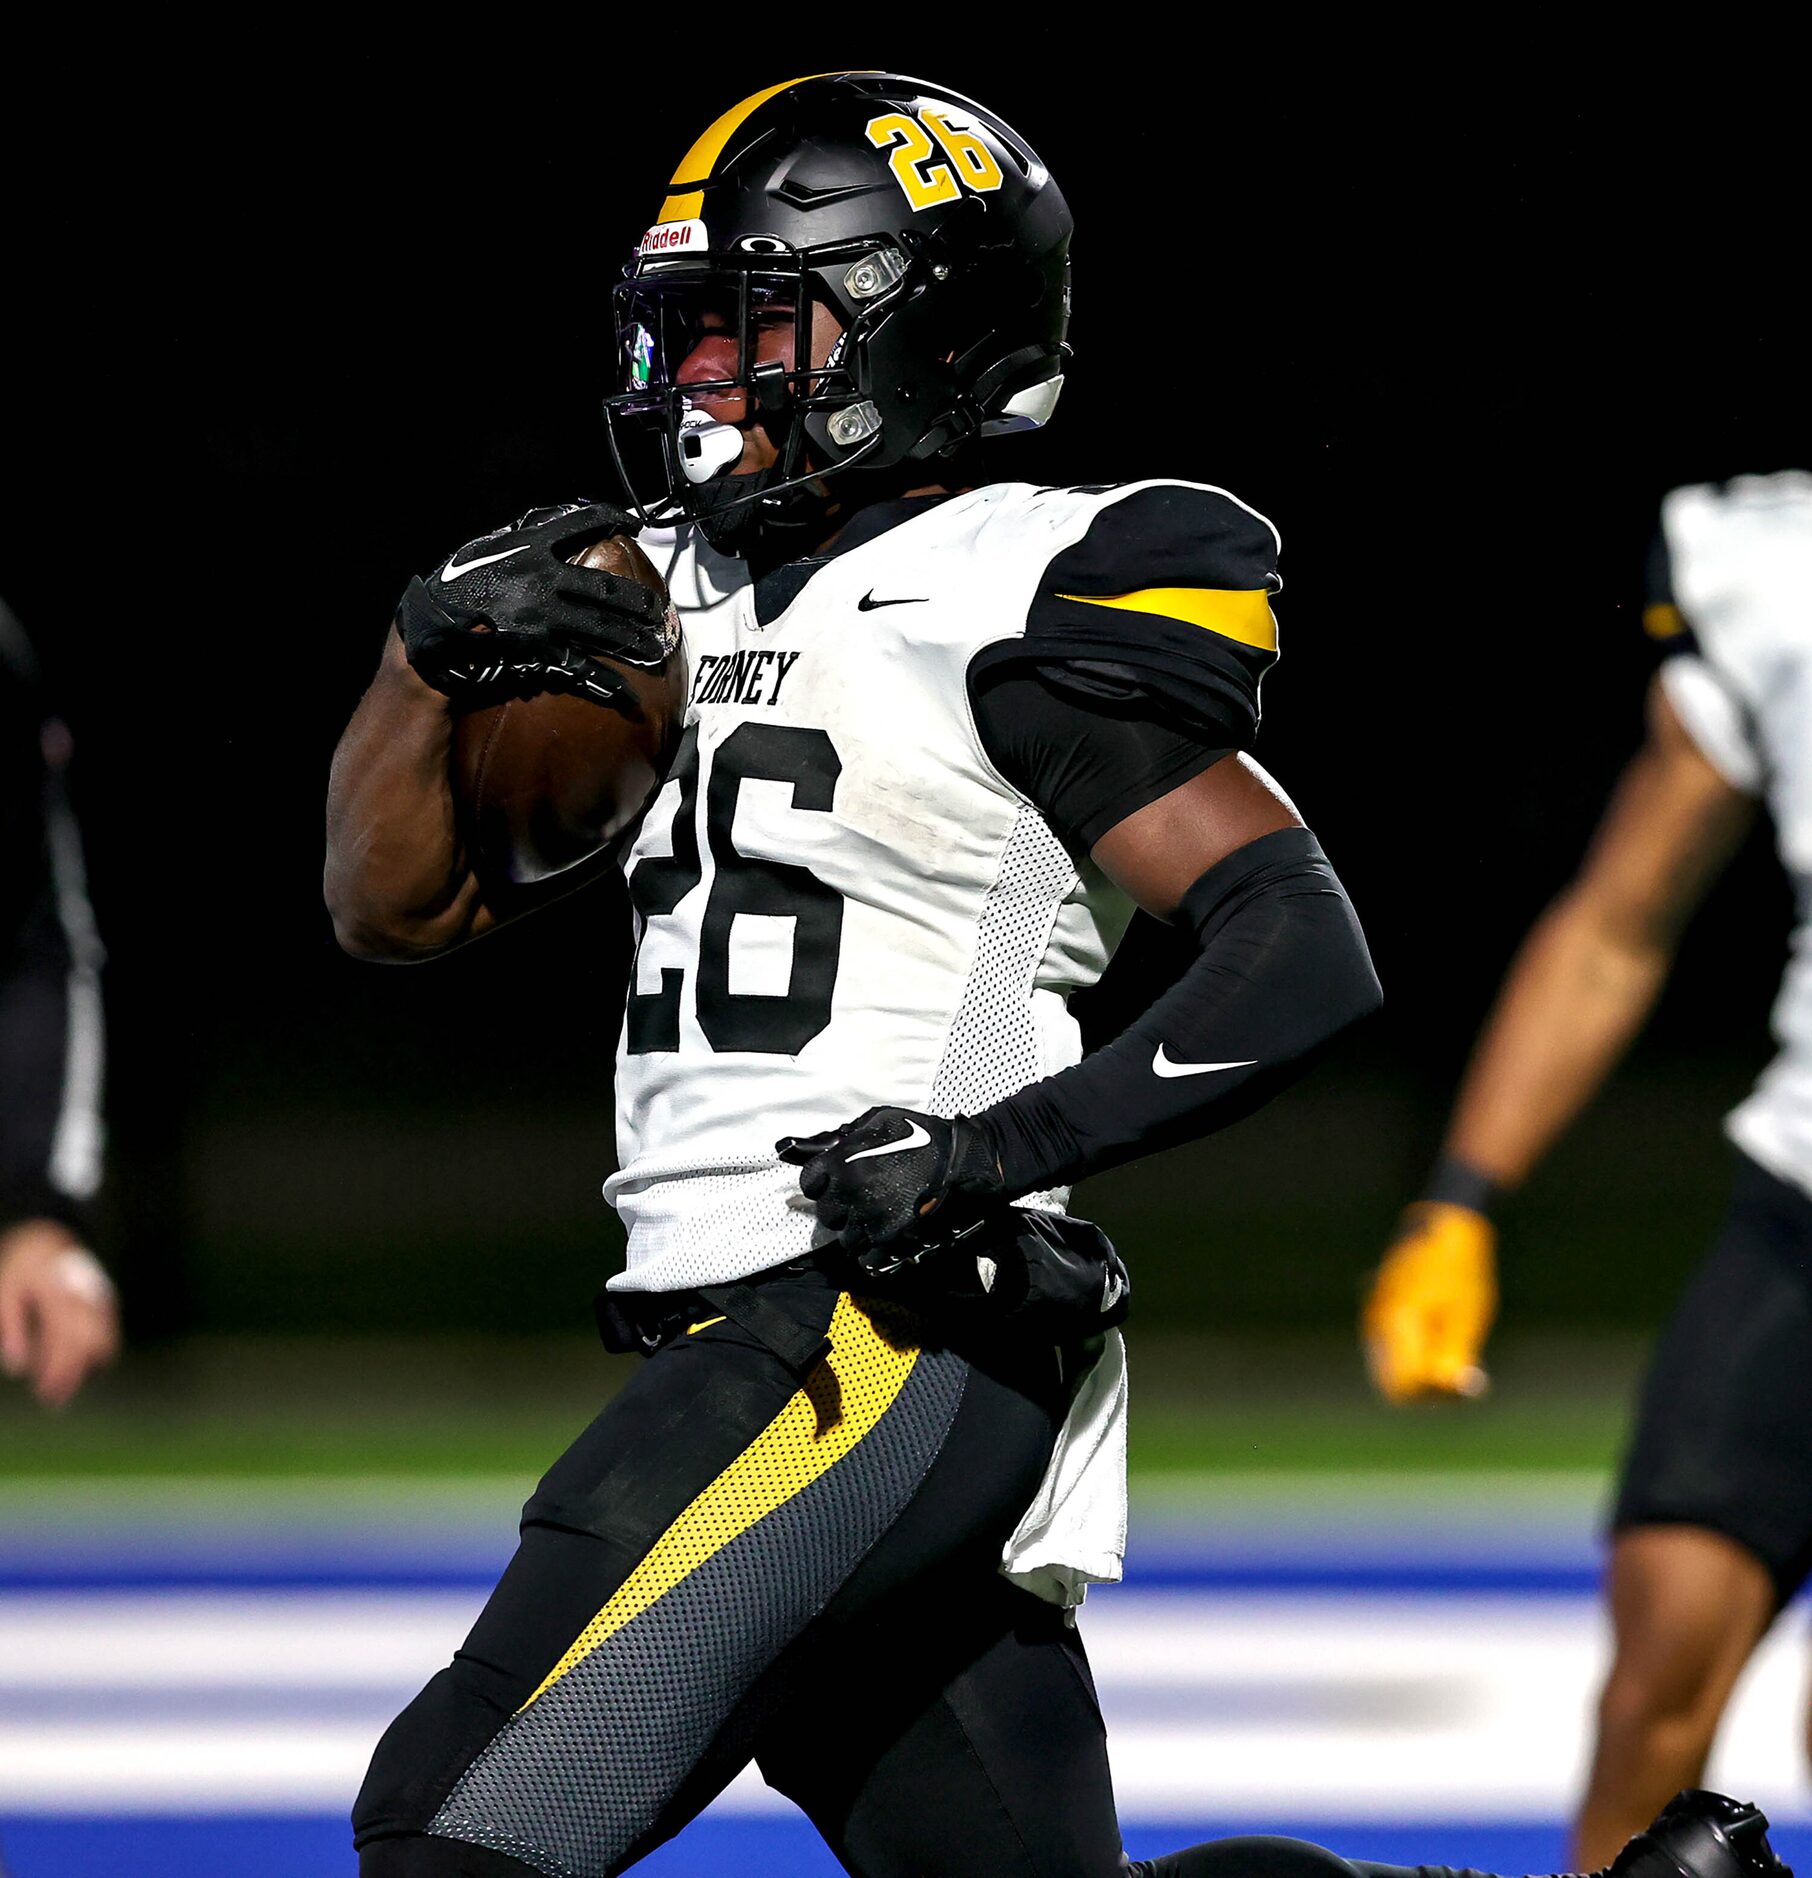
[[1701, 1835]]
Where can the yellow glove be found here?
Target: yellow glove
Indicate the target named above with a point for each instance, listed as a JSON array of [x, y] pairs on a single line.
[[1431, 1305]]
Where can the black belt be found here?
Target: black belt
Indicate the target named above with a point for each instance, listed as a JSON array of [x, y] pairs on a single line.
[[1051, 1280], [633, 1323]]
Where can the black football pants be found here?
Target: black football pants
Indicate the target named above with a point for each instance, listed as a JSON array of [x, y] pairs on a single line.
[[1724, 1435], [733, 1564]]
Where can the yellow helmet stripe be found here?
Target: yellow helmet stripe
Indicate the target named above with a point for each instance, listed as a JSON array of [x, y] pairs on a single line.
[[697, 164], [1235, 613]]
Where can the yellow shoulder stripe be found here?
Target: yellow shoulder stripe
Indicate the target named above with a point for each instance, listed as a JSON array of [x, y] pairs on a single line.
[[697, 164], [1663, 621], [841, 1401], [1234, 613]]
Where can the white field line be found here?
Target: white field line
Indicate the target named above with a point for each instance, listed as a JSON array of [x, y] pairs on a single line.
[[1388, 1707], [200, 1640], [1218, 1706]]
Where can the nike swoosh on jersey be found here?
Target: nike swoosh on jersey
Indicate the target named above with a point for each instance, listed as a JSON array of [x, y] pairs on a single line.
[[692, 1330], [868, 603], [450, 572], [915, 1137], [1162, 1065]]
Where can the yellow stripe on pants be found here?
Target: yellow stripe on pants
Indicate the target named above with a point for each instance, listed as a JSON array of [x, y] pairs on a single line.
[[842, 1399]]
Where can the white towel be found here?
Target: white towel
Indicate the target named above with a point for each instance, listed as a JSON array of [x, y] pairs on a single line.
[[1074, 1532]]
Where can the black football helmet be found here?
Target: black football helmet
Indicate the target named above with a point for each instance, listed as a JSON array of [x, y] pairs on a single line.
[[927, 228]]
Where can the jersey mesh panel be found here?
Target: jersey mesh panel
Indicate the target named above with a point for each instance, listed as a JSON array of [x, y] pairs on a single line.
[[723, 1222], [994, 1046], [583, 1770], [708, 1225]]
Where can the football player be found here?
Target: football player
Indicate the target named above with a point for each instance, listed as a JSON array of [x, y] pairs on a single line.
[[1712, 1528], [942, 736], [58, 1316]]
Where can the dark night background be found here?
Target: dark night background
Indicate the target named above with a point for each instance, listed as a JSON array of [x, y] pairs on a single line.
[[277, 344]]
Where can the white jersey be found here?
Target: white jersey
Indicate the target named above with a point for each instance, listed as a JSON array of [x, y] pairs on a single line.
[[1740, 559], [866, 913], [841, 902]]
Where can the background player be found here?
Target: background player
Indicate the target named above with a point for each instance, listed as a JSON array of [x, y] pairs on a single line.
[[58, 1318], [1713, 1519]]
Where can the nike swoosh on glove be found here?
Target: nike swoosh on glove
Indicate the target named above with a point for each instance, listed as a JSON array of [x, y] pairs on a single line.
[[881, 1181], [511, 613]]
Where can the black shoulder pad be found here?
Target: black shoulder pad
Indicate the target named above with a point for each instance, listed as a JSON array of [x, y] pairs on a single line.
[[1169, 593]]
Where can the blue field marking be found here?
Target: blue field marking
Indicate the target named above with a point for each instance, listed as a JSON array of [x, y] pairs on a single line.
[[251, 1846], [1468, 1576], [125, 1571], [313, 1846], [1321, 1635]]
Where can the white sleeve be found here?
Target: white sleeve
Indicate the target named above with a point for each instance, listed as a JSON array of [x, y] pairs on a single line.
[[1715, 719]]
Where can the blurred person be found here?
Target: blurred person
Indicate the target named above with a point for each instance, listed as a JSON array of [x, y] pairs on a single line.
[[943, 736], [1712, 1523], [58, 1316]]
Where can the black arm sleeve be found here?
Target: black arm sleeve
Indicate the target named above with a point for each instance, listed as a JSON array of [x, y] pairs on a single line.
[[1086, 760], [1282, 969], [50, 1020]]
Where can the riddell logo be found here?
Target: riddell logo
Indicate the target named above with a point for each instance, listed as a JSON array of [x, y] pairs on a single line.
[[673, 237]]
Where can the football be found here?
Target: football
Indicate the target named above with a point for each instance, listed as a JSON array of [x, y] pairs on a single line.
[[544, 783]]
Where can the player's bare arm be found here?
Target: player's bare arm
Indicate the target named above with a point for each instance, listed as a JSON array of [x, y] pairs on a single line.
[[1592, 967], [1577, 993], [398, 882], [530, 612], [1160, 851]]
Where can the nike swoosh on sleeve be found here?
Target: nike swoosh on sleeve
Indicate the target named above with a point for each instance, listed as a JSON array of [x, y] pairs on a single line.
[[450, 572], [1161, 1065], [915, 1138]]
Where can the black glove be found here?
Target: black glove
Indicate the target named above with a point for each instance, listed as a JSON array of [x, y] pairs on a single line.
[[894, 1184], [509, 615]]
